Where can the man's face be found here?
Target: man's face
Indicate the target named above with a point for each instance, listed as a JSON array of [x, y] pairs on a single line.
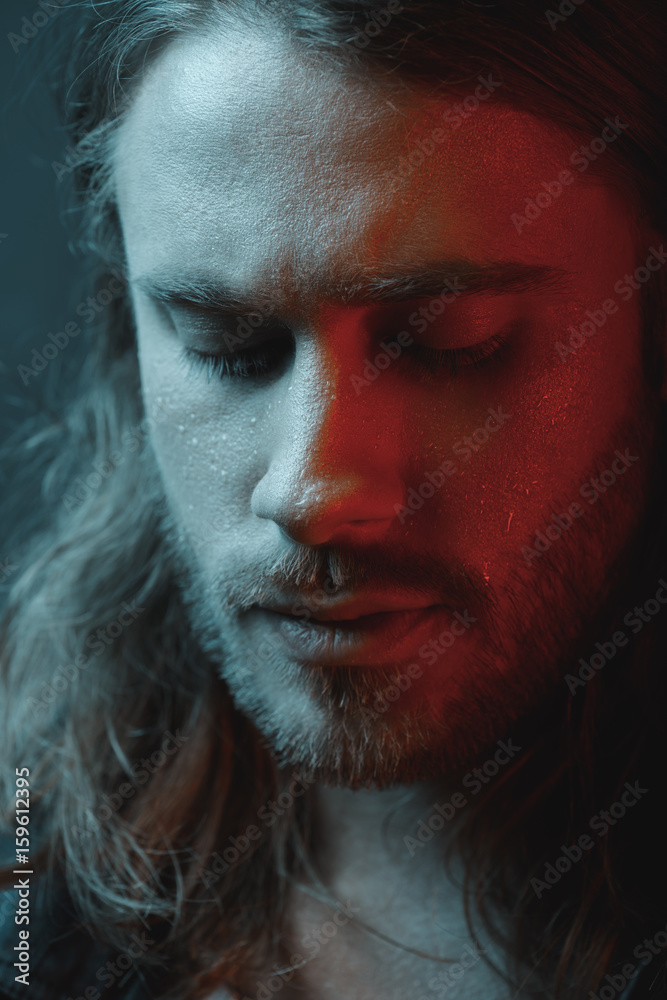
[[358, 544]]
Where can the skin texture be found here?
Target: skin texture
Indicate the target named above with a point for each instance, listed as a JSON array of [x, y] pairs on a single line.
[[243, 164]]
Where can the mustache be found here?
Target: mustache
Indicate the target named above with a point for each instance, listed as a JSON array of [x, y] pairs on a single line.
[[306, 573]]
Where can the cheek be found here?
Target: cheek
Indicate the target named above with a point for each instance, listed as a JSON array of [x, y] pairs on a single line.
[[207, 450], [561, 419]]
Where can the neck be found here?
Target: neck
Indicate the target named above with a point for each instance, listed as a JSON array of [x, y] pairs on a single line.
[[376, 905], [355, 826]]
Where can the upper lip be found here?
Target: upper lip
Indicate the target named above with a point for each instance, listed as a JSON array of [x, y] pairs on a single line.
[[349, 608]]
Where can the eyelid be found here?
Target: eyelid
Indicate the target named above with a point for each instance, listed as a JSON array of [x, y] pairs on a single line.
[[218, 315], [492, 350], [457, 328], [461, 335], [256, 363], [240, 364], [219, 335]]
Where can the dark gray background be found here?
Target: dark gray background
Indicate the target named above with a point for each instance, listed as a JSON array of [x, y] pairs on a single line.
[[41, 281]]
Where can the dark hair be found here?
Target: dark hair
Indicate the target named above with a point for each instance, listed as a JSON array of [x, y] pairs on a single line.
[[108, 708]]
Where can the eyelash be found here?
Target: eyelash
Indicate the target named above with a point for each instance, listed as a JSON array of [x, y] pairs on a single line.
[[255, 364], [476, 356], [242, 364]]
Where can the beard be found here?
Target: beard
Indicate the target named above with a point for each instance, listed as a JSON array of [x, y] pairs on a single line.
[[340, 725]]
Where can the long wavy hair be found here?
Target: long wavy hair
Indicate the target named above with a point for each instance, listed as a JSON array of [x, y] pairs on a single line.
[[85, 698]]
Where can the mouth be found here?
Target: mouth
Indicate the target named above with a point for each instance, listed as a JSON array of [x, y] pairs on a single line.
[[345, 610], [356, 633]]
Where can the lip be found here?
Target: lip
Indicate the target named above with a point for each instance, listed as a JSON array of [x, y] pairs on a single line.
[[350, 609], [381, 638]]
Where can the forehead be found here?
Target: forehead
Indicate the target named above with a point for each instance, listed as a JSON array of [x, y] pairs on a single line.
[[240, 155]]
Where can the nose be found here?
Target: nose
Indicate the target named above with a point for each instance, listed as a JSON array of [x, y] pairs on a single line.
[[334, 472]]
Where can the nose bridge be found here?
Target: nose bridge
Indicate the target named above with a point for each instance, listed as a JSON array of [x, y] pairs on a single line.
[[331, 436], [326, 419], [334, 460]]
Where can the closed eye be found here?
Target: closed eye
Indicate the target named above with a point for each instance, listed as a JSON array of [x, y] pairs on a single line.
[[250, 363], [453, 359], [269, 357]]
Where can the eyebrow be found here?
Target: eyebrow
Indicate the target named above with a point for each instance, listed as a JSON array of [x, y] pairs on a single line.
[[364, 287]]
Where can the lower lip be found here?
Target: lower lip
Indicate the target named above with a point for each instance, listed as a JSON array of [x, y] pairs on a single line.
[[382, 639]]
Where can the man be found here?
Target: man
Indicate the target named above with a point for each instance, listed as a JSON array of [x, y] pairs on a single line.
[[376, 577]]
